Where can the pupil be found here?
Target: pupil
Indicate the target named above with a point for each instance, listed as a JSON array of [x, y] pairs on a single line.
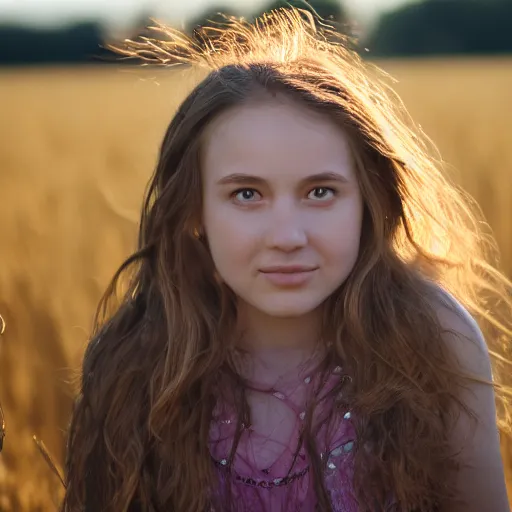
[[247, 194], [320, 192]]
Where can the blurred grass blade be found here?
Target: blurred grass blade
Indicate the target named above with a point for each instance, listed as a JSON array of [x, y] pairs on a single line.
[[2, 428], [49, 460], [2, 419]]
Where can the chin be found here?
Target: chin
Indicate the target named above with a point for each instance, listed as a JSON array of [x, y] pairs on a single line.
[[286, 309]]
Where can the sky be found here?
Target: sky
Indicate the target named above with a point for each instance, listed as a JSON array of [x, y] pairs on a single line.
[[121, 13]]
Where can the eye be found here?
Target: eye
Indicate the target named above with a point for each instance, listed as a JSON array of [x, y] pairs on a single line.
[[322, 194], [246, 195]]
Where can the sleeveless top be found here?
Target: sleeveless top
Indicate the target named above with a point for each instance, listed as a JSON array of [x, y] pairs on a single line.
[[251, 484]]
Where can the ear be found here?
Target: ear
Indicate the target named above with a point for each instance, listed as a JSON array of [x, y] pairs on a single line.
[[199, 232]]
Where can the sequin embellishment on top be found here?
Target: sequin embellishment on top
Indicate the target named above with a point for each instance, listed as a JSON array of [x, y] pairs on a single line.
[[256, 486]]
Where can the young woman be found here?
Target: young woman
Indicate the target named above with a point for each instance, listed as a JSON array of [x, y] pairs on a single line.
[[297, 333]]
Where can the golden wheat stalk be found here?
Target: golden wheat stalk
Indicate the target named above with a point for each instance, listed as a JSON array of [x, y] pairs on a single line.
[[49, 459], [2, 420]]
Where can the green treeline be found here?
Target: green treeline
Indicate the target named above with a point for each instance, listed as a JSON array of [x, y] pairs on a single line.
[[438, 27], [428, 27]]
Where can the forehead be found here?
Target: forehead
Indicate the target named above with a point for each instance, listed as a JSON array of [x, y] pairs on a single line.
[[274, 138]]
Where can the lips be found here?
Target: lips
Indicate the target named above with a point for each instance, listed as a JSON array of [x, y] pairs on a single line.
[[289, 275], [287, 269]]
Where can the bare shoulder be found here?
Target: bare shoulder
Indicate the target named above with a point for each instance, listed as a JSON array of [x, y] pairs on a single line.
[[480, 482], [462, 334]]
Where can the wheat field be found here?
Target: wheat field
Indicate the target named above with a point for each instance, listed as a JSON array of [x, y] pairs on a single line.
[[76, 149]]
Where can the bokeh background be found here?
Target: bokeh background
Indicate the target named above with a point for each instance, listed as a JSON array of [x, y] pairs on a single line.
[[79, 134]]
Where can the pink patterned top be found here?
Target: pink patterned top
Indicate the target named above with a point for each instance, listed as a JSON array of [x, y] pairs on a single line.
[[263, 476]]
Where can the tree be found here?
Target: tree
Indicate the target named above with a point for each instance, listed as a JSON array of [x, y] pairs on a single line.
[[23, 45], [442, 27]]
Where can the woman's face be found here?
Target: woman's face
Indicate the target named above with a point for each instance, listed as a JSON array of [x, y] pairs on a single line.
[[282, 206]]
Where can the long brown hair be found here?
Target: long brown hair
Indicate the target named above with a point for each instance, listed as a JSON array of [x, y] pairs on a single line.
[[138, 439]]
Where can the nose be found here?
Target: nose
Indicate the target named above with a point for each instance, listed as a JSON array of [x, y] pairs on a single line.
[[286, 232]]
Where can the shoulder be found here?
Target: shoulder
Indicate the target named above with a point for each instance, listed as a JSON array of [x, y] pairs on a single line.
[[461, 333], [480, 482]]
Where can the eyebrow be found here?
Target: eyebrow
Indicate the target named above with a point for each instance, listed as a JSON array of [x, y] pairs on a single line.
[[245, 179]]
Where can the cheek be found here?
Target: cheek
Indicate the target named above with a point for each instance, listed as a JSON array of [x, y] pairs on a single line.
[[231, 239], [343, 248], [340, 238]]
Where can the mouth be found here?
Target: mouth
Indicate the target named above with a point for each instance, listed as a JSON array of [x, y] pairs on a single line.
[[288, 276], [287, 269]]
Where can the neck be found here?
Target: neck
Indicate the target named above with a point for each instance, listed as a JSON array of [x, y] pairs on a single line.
[[279, 344]]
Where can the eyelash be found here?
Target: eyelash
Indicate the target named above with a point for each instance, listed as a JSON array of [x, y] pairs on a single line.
[[236, 192]]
